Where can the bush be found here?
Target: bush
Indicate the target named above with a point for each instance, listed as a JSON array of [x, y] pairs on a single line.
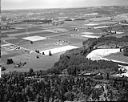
[[10, 61], [3, 69]]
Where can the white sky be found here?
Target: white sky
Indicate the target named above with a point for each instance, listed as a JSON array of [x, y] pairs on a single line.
[[25, 4]]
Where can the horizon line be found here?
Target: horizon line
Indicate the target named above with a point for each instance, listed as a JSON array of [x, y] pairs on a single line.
[[63, 7]]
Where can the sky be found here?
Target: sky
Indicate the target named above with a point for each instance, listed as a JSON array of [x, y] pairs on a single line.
[[26, 4]]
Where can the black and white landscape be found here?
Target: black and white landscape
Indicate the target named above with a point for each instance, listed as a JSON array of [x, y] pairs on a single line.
[[64, 51]]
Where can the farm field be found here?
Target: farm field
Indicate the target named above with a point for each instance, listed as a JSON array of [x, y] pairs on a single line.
[[55, 38], [118, 57], [26, 42], [108, 54]]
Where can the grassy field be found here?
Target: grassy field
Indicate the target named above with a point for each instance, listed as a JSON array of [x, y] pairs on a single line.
[[117, 56], [43, 63]]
